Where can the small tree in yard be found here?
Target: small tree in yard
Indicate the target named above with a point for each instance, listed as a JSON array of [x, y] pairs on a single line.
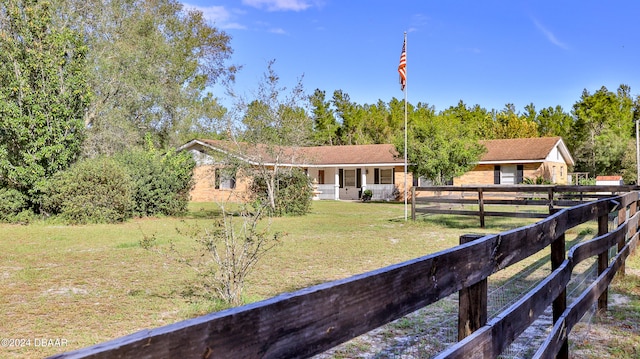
[[225, 253], [266, 133]]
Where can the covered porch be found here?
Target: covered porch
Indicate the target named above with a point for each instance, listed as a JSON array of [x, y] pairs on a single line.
[[348, 183]]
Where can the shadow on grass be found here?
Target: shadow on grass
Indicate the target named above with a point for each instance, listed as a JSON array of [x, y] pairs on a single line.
[[498, 224], [203, 212]]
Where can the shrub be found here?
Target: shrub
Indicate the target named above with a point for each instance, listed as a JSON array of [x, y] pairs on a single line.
[[91, 191], [13, 205], [539, 180], [366, 195], [293, 193], [224, 254], [161, 183]]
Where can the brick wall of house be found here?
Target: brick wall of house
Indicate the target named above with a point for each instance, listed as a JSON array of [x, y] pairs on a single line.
[[561, 170], [483, 174], [399, 181], [480, 175], [204, 189]]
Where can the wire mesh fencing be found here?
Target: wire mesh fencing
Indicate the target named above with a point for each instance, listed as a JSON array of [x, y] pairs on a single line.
[[430, 330]]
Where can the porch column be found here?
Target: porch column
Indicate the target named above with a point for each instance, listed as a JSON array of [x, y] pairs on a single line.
[[336, 186], [364, 179]]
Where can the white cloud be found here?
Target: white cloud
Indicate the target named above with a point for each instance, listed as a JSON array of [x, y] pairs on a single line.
[[278, 31], [279, 5], [549, 35], [218, 15]]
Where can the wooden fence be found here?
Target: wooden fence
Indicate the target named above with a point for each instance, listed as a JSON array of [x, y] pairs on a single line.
[[453, 199], [313, 320]]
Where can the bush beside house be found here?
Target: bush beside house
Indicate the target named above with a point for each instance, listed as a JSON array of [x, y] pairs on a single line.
[[113, 189]]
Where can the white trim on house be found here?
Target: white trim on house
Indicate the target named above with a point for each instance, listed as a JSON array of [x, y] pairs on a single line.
[[508, 162]]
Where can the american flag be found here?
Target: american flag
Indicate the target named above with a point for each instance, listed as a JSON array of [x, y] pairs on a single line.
[[402, 68]]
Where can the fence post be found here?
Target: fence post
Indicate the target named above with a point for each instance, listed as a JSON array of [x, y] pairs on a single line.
[[481, 206], [603, 260], [472, 301], [558, 255], [550, 195], [622, 218]]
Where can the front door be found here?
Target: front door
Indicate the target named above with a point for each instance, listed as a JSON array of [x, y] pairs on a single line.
[[508, 175], [350, 184]]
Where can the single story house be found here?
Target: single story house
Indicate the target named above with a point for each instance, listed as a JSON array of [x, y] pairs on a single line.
[[338, 172], [510, 161], [344, 172]]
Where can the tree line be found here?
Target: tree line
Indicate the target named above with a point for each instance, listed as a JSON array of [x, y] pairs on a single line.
[[598, 130]]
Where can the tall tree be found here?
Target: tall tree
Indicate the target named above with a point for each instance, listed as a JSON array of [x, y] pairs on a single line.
[[351, 131], [43, 95], [440, 147], [476, 118], [378, 127], [267, 129], [509, 124], [553, 121], [603, 124], [152, 65], [325, 126]]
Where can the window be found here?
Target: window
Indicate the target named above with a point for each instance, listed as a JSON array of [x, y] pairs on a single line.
[[350, 178], [496, 174], [383, 176], [225, 179], [520, 174], [321, 177], [386, 176]]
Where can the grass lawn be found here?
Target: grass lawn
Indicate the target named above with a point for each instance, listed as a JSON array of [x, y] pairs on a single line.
[[81, 285]]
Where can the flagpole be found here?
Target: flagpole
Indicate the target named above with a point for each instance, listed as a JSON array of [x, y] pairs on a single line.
[[405, 136]]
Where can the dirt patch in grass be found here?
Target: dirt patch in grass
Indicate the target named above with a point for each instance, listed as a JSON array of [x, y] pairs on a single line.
[[615, 333]]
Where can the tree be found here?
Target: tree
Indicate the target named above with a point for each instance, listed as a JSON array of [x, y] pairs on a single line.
[[553, 121], [440, 148], [325, 126], [225, 253], [629, 165], [43, 96], [603, 124], [476, 118], [152, 65], [351, 131], [267, 130], [508, 124]]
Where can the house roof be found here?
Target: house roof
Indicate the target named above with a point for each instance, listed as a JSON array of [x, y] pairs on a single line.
[[520, 150], [316, 156], [353, 154], [523, 150]]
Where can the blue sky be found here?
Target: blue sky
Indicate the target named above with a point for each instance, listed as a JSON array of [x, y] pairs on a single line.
[[481, 52]]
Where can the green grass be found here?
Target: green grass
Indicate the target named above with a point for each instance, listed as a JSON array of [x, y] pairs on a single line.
[[92, 283], [616, 333]]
